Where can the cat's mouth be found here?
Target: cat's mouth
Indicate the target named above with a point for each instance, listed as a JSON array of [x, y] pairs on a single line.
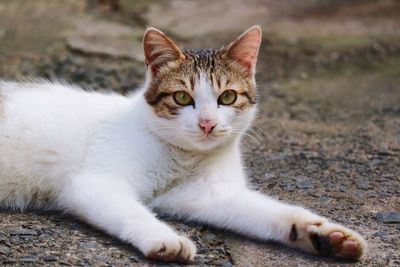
[[206, 138], [207, 141], [213, 136]]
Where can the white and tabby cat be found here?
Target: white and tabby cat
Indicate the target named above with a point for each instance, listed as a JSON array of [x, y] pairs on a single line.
[[172, 147]]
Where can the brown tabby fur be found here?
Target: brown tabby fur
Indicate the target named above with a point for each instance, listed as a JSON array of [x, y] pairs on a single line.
[[181, 74]]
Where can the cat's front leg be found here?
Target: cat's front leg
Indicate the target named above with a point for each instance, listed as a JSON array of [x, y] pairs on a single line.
[[109, 203], [253, 214]]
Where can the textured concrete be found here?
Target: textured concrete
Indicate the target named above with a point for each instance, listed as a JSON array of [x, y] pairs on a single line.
[[327, 136]]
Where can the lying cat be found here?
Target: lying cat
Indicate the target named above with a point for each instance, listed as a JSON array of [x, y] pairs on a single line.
[[173, 147]]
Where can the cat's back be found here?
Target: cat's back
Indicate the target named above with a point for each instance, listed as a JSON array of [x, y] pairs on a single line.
[[52, 109], [37, 97], [45, 131]]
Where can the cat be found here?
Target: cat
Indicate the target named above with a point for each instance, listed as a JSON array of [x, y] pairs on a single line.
[[171, 147]]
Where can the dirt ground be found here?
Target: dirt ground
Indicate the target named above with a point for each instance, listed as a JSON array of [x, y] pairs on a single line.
[[327, 136]]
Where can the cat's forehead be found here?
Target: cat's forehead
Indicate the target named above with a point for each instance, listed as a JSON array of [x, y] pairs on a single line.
[[203, 59], [208, 62], [201, 53]]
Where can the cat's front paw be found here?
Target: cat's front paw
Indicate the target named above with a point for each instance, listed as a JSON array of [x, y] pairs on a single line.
[[328, 239], [172, 248]]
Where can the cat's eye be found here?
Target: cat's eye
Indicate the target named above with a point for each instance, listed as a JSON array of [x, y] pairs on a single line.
[[228, 97], [182, 98]]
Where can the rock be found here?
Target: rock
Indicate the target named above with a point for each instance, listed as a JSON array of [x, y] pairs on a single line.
[[28, 259], [388, 217], [277, 157], [4, 249], [50, 258], [10, 261], [313, 167], [209, 237], [375, 162], [304, 183], [184, 227], [14, 240], [342, 188], [269, 175], [187, 18], [289, 187], [364, 185], [107, 38], [371, 194], [224, 264], [87, 245], [104, 258], [24, 232], [43, 237], [380, 234], [324, 199], [3, 237]]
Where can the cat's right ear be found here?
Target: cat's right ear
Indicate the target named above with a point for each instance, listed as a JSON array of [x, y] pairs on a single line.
[[244, 50], [159, 50]]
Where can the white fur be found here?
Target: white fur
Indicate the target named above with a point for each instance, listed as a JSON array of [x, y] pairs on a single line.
[[110, 160]]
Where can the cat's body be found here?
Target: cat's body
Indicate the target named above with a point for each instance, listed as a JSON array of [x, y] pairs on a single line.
[[173, 146], [63, 130]]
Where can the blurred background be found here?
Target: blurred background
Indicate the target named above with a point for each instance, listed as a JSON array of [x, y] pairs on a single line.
[[327, 135]]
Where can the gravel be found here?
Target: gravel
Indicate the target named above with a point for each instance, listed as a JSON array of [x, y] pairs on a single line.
[[326, 138], [388, 217]]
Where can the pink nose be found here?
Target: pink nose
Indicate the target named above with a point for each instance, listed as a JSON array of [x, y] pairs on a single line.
[[207, 126]]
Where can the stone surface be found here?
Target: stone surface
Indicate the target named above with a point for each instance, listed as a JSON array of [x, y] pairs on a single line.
[[187, 19], [100, 37], [388, 217], [326, 137]]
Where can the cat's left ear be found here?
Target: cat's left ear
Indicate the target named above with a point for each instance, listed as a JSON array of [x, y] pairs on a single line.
[[159, 49], [244, 49]]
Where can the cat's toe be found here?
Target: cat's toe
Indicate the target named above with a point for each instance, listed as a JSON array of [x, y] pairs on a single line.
[[336, 241], [188, 250], [173, 249]]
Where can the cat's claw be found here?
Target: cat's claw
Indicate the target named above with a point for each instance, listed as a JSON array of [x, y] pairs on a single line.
[[172, 249]]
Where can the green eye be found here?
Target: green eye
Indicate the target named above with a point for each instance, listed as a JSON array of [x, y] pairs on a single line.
[[228, 97], [182, 98]]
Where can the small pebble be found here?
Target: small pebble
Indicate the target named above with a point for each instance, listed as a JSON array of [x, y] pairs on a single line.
[[388, 217], [29, 258], [209, 237], [87, 245], [24, 232], [50, 258]]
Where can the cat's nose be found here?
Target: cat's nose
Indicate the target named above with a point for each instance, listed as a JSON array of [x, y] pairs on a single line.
[[207, 126]]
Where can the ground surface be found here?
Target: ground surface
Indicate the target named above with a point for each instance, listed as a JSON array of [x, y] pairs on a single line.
[[327, 135]]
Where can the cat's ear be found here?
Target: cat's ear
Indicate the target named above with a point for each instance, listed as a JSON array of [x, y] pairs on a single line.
[[244, 49], [159, 49]]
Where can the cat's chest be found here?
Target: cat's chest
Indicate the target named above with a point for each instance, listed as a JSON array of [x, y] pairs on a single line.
[[175, 167], [180, 164]]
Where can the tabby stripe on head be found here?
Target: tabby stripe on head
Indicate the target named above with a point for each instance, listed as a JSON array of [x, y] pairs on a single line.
[[158, 98], [169, 110], [192, 82], [246, 94], [182, 82], [241, 106]]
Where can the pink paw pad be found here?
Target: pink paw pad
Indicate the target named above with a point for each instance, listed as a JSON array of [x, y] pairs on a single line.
[[336, 244]]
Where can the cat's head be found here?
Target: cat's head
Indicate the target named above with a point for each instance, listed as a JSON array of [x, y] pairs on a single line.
[[201, 98]]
